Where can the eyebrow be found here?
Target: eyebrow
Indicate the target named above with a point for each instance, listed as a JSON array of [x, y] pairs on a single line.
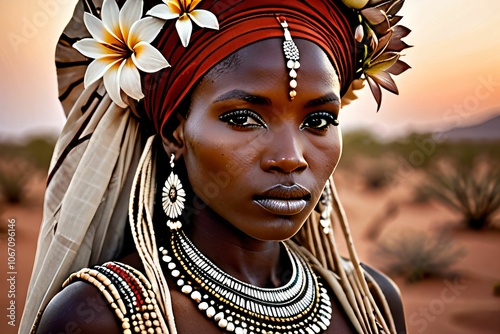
[[237, 94], [241, 95], [328, 98]]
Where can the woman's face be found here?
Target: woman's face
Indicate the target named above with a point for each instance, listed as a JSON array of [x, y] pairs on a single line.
[[258, 159]]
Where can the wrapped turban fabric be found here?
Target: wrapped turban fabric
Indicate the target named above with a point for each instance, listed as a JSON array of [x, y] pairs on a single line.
[[329, 24]]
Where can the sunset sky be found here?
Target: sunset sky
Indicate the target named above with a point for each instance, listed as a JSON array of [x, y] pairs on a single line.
[[454, 80]]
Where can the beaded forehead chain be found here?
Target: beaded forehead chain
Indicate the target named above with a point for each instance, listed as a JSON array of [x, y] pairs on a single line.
[[292, 56]]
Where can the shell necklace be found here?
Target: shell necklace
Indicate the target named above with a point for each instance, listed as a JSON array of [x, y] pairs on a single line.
[[301, 306]]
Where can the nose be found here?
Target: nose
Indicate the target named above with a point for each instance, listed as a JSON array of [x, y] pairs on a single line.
[[284, 153]]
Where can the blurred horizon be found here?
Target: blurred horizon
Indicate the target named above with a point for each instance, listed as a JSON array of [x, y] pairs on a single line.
[[453, 81]]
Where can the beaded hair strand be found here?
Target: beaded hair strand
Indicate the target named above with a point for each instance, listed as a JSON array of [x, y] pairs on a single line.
[[354, 279], [141, 223]]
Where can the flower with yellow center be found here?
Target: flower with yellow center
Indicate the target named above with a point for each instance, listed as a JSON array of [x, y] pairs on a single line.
[[121, 47], [185, 12], [356, 4]]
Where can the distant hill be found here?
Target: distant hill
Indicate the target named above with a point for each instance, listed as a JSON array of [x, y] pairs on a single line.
[[488, 130]]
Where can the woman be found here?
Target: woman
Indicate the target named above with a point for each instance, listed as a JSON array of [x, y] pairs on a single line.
[[230, 204]]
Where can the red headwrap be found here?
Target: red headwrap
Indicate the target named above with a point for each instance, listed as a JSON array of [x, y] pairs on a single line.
[[329, 24]]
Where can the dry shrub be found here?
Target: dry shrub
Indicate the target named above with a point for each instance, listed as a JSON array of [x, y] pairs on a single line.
[[37, 151], [417, 255], [472, 192], [496, 289], [14, 177], [378, 175]]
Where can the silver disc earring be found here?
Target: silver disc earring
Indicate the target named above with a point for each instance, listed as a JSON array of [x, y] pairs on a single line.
[[173, 198]]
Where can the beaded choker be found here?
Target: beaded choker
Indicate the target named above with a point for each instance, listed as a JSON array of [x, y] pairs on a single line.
[[302, 305]]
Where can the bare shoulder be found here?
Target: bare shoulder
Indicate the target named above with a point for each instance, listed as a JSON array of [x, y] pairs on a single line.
[[392, 295], [78, 308], [189, 319]]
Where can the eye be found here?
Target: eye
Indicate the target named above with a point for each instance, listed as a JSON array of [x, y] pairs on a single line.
[[242, 118], [319, 121]]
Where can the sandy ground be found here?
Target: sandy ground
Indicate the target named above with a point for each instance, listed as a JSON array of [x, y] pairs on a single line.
[[460, 305], [433, 306], [27, 219]]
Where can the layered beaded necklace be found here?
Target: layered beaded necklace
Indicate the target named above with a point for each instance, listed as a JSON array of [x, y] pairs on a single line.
[[301, 306]]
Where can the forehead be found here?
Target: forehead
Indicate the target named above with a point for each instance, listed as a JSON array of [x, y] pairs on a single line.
[[261, 66]]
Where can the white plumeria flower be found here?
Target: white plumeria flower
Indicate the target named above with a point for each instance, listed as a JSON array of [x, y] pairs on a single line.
[[356, 4], [185, 12], [120, 46]]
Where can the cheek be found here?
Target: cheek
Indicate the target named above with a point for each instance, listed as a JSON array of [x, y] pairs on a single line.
[[214, 160], [203, 156], [336, 147], [325, 153], [323, 166]]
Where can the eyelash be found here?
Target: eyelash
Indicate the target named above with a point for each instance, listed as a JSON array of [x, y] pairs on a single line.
[[329, 118], [231, 116], [326, 119]]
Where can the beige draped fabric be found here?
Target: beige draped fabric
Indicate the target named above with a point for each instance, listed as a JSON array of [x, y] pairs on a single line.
[[89, 180], [88, 191]]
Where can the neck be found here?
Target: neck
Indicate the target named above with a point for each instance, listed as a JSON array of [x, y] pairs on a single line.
[[260, 263]]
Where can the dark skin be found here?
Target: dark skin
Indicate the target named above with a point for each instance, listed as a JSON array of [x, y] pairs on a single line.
[[243, 135]]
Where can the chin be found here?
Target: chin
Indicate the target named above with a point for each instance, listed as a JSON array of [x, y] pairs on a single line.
[[281, 230]]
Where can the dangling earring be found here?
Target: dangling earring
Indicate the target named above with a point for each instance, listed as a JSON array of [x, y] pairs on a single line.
[[173, 198], [325, 206]]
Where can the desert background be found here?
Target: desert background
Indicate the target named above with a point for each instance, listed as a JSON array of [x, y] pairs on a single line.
[[420, 179]]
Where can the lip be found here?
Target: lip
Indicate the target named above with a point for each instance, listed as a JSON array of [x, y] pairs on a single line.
[[284, 200]]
